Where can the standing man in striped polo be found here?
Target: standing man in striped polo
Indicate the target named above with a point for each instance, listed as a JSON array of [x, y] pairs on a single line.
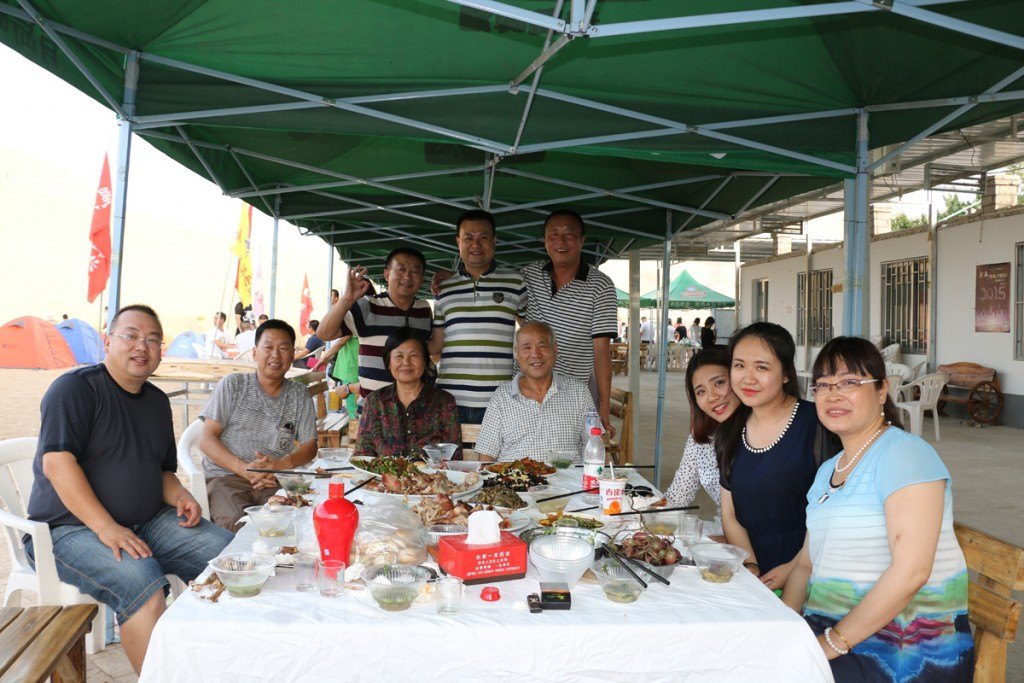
[[475, 313], [578, 302], [374, 318]]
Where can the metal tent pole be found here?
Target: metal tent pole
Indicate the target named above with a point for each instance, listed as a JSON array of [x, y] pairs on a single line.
[[663, 345], [330, 272], [739, 282], [634, 346], [273, 257], [124, 155], [855, 294]]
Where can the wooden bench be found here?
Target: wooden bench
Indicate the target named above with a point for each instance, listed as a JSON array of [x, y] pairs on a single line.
[[620, 449], [976, 387], [620, 359], [41, 642], [992, 610]]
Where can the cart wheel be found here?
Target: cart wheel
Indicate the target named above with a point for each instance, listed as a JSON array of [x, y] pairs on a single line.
[[984, 403]]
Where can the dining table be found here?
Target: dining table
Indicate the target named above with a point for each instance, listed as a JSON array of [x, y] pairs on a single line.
[[691, 630]]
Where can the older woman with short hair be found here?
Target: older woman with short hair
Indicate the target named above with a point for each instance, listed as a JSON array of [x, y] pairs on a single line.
[[881, 578], [400, 418]]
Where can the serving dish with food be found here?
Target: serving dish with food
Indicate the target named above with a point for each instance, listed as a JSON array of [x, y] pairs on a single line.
[[415, 483], [527, 465]]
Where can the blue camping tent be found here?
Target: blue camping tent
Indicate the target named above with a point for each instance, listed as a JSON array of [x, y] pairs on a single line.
[[83, 339], [182, 346]]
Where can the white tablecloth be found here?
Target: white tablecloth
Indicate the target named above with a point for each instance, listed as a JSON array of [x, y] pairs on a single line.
[[690, 631]]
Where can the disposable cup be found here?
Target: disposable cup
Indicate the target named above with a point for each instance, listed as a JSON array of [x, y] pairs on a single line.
[[690, 529], [304, 568], [448, 594], [330, 578], [612, 492]]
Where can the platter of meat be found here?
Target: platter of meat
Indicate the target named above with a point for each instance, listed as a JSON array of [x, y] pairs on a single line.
[[441, 509], [414, 483]]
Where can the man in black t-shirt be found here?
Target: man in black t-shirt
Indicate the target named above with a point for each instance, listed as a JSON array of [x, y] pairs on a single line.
[[104, 469]]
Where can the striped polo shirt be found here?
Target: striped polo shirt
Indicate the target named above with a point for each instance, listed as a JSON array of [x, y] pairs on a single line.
[[374, 318], [581, 311], [479, 321]]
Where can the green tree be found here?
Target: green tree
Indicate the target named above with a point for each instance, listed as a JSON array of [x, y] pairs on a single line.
[[953, 204], [902, 221], [1018, 170]]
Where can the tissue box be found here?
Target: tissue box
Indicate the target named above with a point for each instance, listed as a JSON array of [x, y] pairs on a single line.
[[501, 561]]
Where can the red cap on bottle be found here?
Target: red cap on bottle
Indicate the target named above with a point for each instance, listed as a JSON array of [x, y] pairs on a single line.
[[595, 431], [490, 594]]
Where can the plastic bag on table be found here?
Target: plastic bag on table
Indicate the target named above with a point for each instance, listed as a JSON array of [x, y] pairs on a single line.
[[389, 533]]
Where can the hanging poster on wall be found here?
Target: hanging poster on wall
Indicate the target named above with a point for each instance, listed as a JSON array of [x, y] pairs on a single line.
[[992, 298]]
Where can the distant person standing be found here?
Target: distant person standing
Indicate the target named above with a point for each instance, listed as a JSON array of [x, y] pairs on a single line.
[[302, 358], [217, 343], [241, 313], [708, 336], [680, 330], [695, 330], [646, 336]]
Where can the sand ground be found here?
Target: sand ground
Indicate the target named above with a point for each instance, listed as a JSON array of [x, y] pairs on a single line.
[[985, 465]]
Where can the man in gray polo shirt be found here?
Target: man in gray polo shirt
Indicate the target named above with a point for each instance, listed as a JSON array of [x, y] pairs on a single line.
[[578, 302], [256, 420], [540, 410]]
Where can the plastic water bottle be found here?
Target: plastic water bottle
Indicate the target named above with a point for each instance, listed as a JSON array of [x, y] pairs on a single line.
[[593, 465], [591, 419]]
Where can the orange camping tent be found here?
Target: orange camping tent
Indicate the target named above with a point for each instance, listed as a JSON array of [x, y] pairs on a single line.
[[33, 343]]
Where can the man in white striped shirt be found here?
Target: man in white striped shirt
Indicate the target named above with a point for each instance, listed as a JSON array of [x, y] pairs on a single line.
[[578, 301], [475, 315]]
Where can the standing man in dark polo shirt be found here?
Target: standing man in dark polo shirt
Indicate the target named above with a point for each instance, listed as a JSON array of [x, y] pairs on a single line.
[[104, 482], [375, 318], [578, 302]]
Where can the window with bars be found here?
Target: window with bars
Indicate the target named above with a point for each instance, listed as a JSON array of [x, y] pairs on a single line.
[[1018, 325], [905, 304], [815, 316], [760, 300]]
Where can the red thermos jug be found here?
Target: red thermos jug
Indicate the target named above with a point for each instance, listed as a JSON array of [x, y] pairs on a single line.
[[334, 522]]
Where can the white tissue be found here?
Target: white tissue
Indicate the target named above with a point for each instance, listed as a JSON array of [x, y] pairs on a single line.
[[483, 528]]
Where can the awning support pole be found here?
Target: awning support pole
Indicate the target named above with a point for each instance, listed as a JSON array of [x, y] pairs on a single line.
[[273, 258], [666, 280], [124, 156], [330, 272], [634, 346], [855, 291]]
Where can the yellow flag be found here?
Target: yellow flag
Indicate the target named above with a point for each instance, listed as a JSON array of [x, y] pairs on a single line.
[[243, 276]]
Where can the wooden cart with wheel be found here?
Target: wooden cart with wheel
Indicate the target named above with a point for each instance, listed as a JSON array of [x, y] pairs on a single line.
[[976, 387]]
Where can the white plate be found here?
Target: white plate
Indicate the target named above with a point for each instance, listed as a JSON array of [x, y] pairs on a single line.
[[519, 520], [456, 477]]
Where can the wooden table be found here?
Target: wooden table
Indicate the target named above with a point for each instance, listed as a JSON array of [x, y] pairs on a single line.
[[38, 642]]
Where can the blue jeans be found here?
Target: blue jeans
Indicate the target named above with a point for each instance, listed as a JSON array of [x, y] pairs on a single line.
[[84, 562], [471, 416]]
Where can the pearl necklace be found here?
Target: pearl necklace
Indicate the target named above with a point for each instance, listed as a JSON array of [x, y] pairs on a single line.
[[773, 444], [839, 470]]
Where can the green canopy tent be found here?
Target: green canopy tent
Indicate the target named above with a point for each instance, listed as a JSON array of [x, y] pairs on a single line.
[[374, 122], [686, 293], [623, 299]]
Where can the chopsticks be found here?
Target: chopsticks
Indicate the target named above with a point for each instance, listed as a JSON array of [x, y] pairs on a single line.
[[359, 486], [653, 510], [637, 564], [630, 467], [319, 475], [619, 558], [564, 495]]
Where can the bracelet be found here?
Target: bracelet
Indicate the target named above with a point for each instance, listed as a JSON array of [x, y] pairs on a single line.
[[751, 564], [842, 638], [828, 639]]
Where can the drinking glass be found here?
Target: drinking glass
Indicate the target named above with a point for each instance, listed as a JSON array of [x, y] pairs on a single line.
[[304, 567], [330, 577], [690, 528], [448, 594]]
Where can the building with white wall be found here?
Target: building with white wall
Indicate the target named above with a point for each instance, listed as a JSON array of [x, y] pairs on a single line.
[[901, 293]]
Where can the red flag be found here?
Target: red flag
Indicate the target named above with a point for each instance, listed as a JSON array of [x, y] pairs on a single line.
[[305, 306], [99, 235]]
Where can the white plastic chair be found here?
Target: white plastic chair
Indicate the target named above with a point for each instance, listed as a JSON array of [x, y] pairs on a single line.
[[895, 383], [930, 387], [16, 457], [196, 479], [892, 354], [900, 369]]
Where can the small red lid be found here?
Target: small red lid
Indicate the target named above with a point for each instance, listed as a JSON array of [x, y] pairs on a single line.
[[490, 594]]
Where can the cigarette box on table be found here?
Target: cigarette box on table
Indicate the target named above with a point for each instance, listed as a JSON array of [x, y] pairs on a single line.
[[486, 563]]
